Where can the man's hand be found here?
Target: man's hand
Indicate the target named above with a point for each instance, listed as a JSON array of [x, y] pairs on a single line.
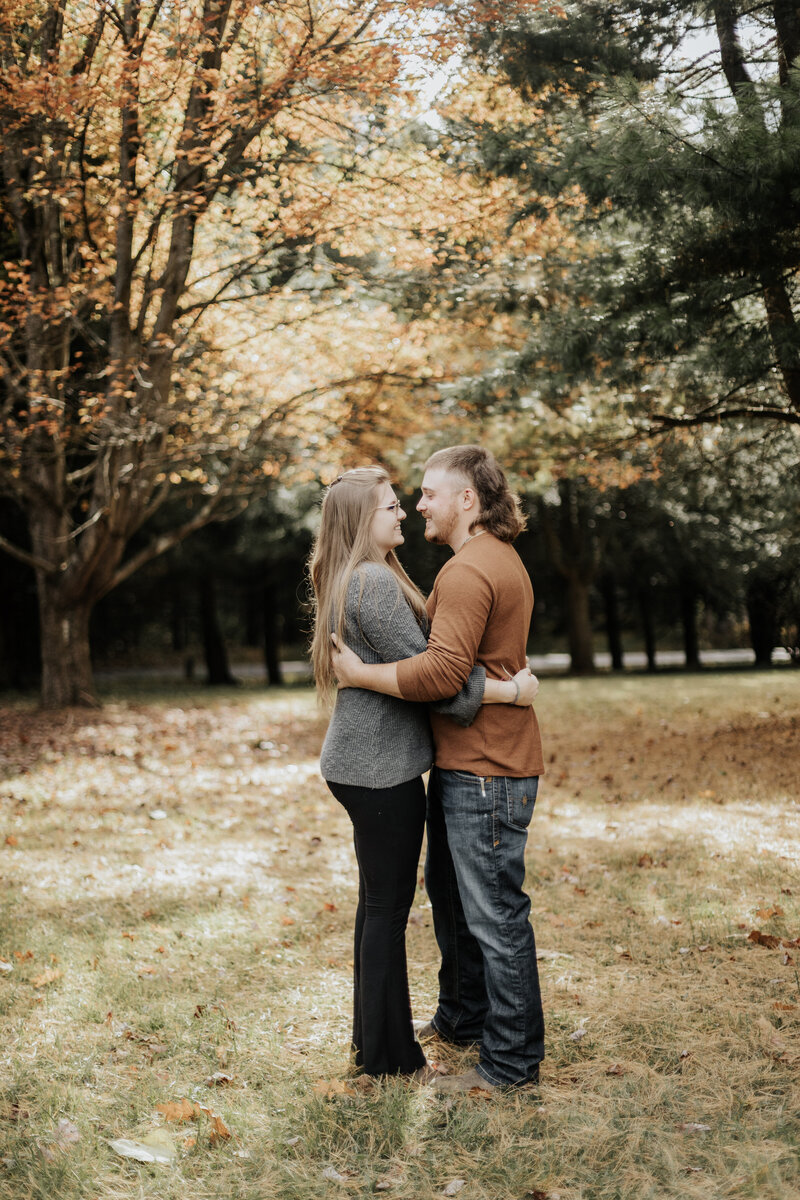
[[345, 664], [528, 686]]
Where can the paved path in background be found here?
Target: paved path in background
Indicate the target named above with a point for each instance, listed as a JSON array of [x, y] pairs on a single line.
[[542, 664]]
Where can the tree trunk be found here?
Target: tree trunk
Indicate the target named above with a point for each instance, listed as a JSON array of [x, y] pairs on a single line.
[[271, 641], [644, 600], [762, 615], [691, 647], [178, 623], [579, 625], [252, 604], [216, 654], [66, 658], [608, 590]]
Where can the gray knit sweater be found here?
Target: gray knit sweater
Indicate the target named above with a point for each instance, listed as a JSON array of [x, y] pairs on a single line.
[[374, 740]]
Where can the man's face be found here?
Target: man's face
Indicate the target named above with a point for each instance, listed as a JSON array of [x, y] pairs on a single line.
[[440, 504]]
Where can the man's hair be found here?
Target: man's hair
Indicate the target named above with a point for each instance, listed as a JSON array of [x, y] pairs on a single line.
[[500, 511]]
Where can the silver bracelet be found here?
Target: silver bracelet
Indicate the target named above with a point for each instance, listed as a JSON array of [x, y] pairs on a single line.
[[516, 685]]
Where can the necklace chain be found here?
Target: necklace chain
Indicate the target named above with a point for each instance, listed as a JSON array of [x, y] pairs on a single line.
[[469, 538]]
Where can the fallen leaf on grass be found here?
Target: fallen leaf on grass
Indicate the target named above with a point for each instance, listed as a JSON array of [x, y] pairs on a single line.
[[336, 1176], [693, 1127], [177, 1110], [453, 1187], [48, 976], [66, 1135], [770, 1036], [615, 1069], [781, 1007], [218, 1079], [12, 840], [393, 1178], [12, 1112], [622, 951], [188, 1110], [328, 1088], [763, 939], [765, 914], [156, 1147]]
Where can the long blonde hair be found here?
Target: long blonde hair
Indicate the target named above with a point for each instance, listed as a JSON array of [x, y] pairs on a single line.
[[343, 543]]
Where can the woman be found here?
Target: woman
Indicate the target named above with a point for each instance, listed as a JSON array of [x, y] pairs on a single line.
[[377, 748]]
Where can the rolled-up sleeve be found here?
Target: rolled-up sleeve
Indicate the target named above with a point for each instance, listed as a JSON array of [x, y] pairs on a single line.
[[463, 601]]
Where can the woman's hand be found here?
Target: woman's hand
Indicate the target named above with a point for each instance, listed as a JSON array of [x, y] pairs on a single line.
[[528, 686], [345, 664]]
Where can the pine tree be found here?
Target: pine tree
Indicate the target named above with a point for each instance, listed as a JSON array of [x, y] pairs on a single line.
[[671, 132]]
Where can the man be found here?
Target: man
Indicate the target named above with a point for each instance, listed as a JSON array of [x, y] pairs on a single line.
[[483, 786]]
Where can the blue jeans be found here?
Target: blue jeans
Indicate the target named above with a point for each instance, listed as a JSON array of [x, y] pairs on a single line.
[[474, 873]]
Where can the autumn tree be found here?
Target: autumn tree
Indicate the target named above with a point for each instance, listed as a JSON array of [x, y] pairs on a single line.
[[160, 165]]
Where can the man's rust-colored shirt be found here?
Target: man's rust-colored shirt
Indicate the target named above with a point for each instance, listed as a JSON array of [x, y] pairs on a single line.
[[480, 611]]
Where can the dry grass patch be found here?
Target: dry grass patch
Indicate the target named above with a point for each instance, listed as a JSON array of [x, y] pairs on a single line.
[[177, 891]]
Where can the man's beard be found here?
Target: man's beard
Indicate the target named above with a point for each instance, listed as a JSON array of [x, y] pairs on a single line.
[[444, 528]]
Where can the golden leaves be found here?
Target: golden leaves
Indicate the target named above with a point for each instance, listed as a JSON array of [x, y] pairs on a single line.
[[46, 977], [180, 1111]]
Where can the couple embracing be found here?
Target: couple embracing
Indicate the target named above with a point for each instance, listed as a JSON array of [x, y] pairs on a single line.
[[444, 686]]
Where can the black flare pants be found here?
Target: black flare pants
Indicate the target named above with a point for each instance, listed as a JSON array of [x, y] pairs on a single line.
[[388, 824]]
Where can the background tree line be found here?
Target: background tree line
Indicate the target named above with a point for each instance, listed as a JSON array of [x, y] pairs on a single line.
[[695, 558]]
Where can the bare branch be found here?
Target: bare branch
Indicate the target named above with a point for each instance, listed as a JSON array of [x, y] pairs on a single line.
[[165, 542], [30, 560]]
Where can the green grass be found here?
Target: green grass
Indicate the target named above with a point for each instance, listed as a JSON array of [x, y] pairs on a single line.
[[217, 938]]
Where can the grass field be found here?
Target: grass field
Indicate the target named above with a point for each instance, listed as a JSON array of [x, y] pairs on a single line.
[[176, 901]]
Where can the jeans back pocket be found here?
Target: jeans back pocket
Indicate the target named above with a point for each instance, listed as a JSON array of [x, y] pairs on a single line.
[[521, 797]]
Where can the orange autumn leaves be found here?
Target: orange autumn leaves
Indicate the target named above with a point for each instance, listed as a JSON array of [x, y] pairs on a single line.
[[180, 1111]]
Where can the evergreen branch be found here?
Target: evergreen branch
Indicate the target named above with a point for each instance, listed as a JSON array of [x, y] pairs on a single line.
[[715, 414]]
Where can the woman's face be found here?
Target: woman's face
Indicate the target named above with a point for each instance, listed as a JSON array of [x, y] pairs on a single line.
[[386, 531]]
